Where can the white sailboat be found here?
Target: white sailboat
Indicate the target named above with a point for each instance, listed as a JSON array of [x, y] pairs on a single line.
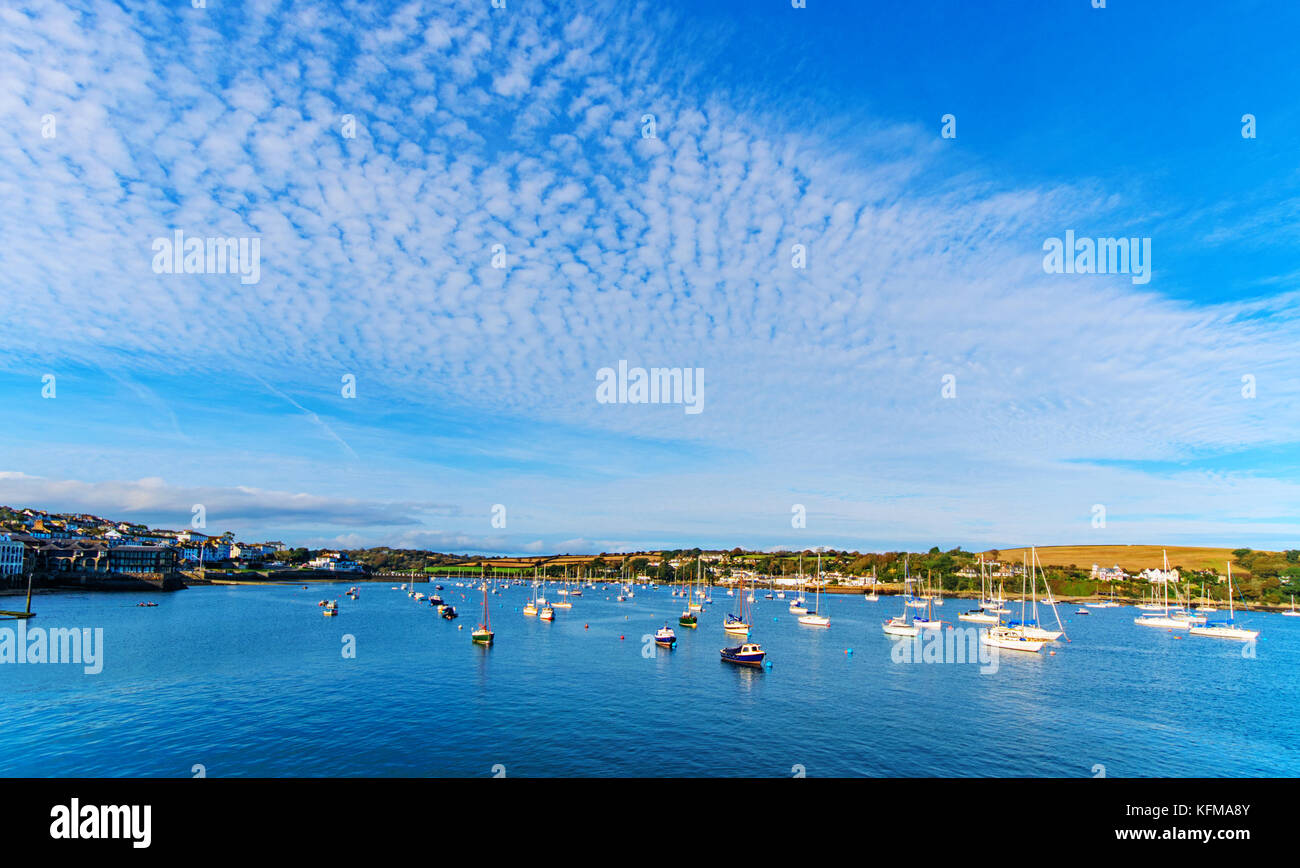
[[901, 625], [1225, 629], [1291, 612], [1165, 619], [872, 596], [927, 621], [1031, 628], [1016, 635], [980, 615], [815, 618], [799, 606], [1108, 603]]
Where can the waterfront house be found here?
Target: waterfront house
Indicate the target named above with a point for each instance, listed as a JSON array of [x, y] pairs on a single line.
[[141, 559], [12, 555]]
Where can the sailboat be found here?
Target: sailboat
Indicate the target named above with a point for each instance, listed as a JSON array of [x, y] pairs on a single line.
[[1165, 619], [1108, 603], [979, 615], [1153, 606], [483, 634], [799, 606], [1206, 606], [815, 618], [1291, 612], [530, 608], [872, 596], [687, 618], [738, 624], [900, 625], [927, 621], [1225, 629], [693, 606], [564, 592], [1031, 628], [1014, 635]]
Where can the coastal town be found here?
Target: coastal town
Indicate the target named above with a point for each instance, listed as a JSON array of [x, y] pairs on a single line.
[[56, 550]]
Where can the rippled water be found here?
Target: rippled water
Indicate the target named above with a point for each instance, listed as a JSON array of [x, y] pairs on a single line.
[[252, 681]]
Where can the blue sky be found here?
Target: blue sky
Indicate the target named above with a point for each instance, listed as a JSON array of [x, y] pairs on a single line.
[[774, 126]]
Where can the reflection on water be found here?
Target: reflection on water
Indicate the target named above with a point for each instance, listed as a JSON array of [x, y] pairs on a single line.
[[250, 681]]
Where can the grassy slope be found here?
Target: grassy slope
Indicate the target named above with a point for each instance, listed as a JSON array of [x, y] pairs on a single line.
[[1131, 558]]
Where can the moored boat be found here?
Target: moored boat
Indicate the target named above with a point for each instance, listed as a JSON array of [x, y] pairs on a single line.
[[665, 637], [1225, 629], [482, 634], [1011, 639], [747, 654]]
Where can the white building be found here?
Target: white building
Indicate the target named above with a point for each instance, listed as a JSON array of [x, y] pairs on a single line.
[[11, 555], [334, 561]]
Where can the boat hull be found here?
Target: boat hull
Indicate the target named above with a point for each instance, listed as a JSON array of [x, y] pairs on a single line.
[[1167, 623], [1225, 633], [1012, 644], [737, 658]]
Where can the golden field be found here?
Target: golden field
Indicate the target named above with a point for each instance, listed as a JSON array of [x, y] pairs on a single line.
[[1132, 558]]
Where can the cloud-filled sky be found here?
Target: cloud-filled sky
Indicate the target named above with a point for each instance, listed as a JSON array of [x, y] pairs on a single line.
[[644, 173]]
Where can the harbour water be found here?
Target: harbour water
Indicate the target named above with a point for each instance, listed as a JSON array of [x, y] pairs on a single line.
[[253, 681]]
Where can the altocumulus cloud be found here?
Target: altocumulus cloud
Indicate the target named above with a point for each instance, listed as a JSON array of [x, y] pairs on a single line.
[[474, 129]]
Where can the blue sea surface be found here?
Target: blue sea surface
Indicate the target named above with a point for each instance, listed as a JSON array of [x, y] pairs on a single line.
[[253, 681]]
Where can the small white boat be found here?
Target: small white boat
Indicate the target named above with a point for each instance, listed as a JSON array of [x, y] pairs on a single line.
[[1291, 612], [978, 616]]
